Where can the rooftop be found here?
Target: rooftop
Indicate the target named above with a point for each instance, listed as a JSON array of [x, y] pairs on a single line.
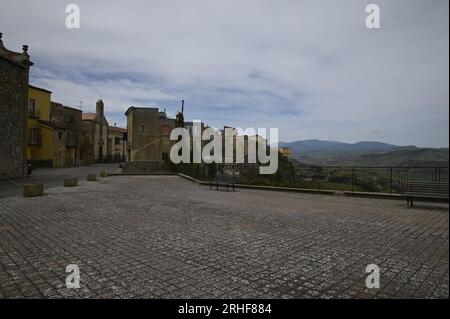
[[20, 59], [117, 129], [65, 106], [131, 108], [86, 116], [39, 89]]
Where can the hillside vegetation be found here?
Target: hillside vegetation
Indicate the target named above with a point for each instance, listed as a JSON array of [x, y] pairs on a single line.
[[323, 153]]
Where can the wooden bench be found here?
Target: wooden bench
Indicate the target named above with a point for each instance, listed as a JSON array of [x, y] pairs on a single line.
[[425, 191], [225, 181]]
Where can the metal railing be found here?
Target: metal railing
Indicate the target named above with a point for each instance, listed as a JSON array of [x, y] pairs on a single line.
[[342, 178], [368, 179]]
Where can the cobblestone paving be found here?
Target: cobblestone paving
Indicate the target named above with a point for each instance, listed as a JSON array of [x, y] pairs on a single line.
[[166, 237]]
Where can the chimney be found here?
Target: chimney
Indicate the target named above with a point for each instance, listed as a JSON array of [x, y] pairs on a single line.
[[182, 106]]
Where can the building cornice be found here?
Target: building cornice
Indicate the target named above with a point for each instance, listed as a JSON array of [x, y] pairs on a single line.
[[20, 59]]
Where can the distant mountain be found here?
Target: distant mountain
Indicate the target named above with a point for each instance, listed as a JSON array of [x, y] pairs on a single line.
[[365, 153], [307, 146]]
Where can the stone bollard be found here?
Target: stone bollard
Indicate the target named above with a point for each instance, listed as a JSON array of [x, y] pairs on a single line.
[[33, 189], [91, 177], [103, 174], [70, 182]]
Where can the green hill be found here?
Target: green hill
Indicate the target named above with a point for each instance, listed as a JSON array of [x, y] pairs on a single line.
[[330, 153]]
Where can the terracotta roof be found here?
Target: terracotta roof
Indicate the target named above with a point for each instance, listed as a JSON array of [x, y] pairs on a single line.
[[88, 116], [117, 129]]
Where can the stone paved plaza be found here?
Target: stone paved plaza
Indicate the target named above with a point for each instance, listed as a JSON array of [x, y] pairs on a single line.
[[167, 237]]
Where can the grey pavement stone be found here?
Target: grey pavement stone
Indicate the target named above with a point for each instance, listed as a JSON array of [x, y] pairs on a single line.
[[166, 237]]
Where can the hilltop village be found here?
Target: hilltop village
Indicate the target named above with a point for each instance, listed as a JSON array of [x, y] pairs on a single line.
[[40, 132]]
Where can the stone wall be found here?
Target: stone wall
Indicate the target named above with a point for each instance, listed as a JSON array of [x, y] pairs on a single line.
[[146, 168], [148, 134], [14, 68], [86, 147], [68, 119]]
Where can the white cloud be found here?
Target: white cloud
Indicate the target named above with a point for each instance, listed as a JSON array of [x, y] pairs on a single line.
[[310, 68]]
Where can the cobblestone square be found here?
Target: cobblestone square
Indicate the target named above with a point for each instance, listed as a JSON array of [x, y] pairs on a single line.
[[166, 237]]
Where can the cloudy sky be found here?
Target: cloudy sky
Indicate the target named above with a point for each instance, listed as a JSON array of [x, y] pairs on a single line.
[[310, 68]]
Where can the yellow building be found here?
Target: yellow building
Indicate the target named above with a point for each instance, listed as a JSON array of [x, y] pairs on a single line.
[[40, 136]]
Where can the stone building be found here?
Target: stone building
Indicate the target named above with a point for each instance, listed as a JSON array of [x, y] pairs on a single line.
[[148, 132], [14, 75], [96, 125], [116, 143], [67, 124], [86, 146]]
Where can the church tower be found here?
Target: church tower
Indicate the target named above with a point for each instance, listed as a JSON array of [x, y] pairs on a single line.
[[99, 107]]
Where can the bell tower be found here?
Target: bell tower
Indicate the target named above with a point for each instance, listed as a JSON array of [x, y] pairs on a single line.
[[99, 107]]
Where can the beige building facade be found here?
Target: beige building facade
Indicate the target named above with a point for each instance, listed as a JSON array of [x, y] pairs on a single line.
[[148, 131], [117, 145], [66, 122]]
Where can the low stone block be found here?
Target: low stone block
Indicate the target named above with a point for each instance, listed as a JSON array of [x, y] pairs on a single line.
[[92, 177], [70, 182], [103, 174], [33, 189]]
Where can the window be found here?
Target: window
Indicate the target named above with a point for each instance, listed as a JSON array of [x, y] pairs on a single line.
[[34, 136], [60, 135], [71, 118], [117, 140], [32, 108], [143, 129]]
